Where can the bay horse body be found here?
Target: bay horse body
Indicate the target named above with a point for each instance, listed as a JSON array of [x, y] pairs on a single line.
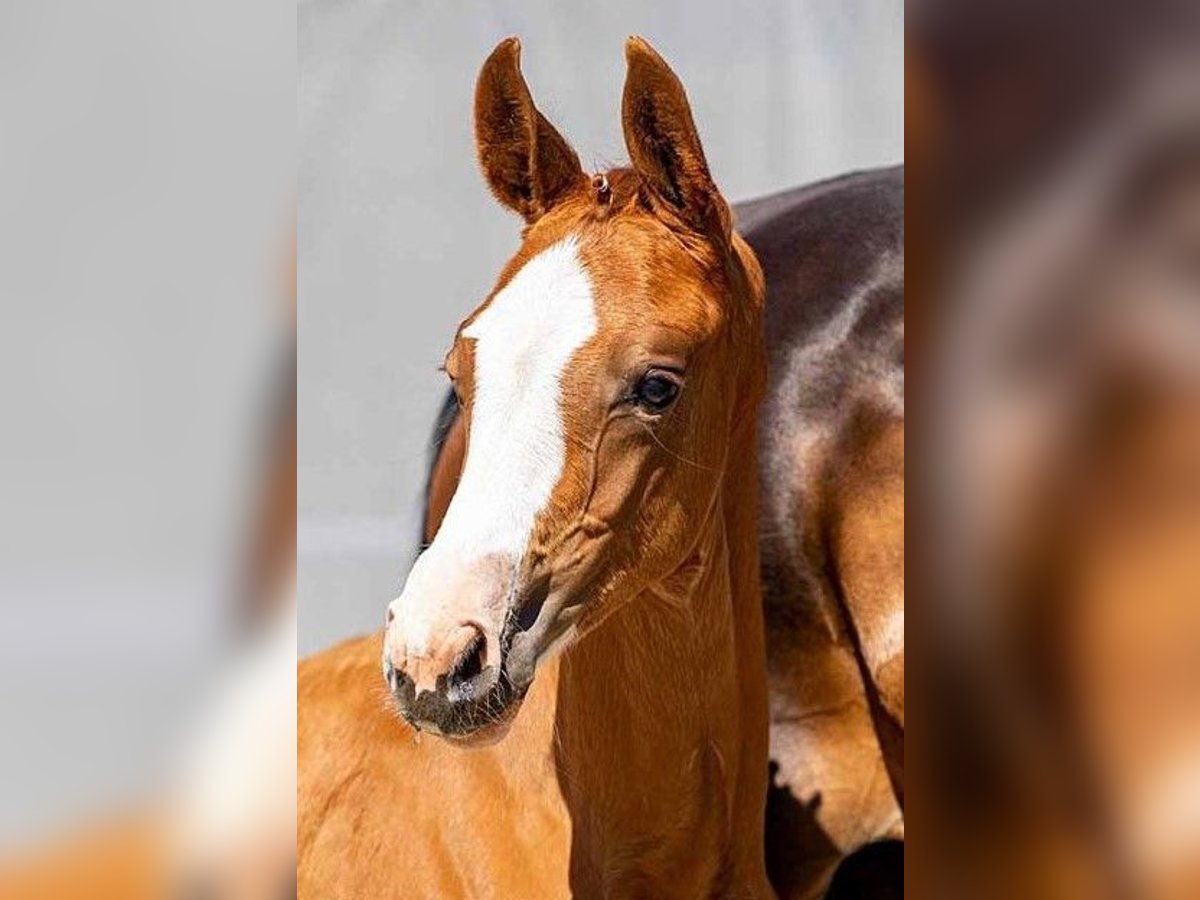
[[832, 527]]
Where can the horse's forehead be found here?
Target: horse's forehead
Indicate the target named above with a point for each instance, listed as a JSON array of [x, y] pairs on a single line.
[[547, 308], [588, 284]]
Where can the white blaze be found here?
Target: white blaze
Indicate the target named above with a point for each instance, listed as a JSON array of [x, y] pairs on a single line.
[[523, 340]]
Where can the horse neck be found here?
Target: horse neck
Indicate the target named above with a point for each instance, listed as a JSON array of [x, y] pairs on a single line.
[[683, 663], [661, 712]]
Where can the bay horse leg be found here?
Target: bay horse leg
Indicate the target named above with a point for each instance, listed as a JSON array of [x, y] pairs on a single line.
[[865, 539]]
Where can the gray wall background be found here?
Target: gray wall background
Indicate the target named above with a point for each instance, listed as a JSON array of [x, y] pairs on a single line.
[[147, 168], [399, 238]]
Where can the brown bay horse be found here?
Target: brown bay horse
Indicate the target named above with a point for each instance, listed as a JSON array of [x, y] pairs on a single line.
[[593, 519]]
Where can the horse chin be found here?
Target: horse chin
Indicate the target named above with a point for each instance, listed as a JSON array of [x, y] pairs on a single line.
[[479, 724], [489, 734]]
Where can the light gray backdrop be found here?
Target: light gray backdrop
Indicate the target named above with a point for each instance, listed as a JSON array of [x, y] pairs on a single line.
[[399, 238], [147, 166]]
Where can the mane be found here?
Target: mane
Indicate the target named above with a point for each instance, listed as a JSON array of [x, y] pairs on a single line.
[[446, 417]]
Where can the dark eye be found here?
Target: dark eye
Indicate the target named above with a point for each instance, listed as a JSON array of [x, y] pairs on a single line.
[[655, 392]]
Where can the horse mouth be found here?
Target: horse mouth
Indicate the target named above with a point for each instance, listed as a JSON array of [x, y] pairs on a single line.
[[496, 727], [474, 704], [475, 713]]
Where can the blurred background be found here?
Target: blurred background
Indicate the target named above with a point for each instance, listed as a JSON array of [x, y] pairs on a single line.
[[1054, 323], [147, 174], [399, 237]]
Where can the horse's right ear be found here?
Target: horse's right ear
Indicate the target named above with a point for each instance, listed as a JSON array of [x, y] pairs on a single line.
[[528, 165]]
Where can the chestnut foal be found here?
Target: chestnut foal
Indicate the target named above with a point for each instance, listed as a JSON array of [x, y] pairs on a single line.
[[831, 530], [598, 565]]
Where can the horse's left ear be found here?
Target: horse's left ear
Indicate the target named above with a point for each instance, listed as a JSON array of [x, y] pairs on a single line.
[[664, 146]]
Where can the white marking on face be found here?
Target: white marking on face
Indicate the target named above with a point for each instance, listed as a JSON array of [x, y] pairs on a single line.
[[523, 342]]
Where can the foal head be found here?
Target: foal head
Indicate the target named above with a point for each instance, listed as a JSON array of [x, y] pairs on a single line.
[[600, 384]]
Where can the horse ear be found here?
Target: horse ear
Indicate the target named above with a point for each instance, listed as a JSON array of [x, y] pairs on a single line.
[[528, 165], [664, 146]]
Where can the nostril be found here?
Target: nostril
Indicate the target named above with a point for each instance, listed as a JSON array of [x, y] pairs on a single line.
[[401, 686], [391, 615], [468, 665]]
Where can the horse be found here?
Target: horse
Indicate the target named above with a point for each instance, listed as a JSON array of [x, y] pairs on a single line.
[[831, 524], [593, 559]]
